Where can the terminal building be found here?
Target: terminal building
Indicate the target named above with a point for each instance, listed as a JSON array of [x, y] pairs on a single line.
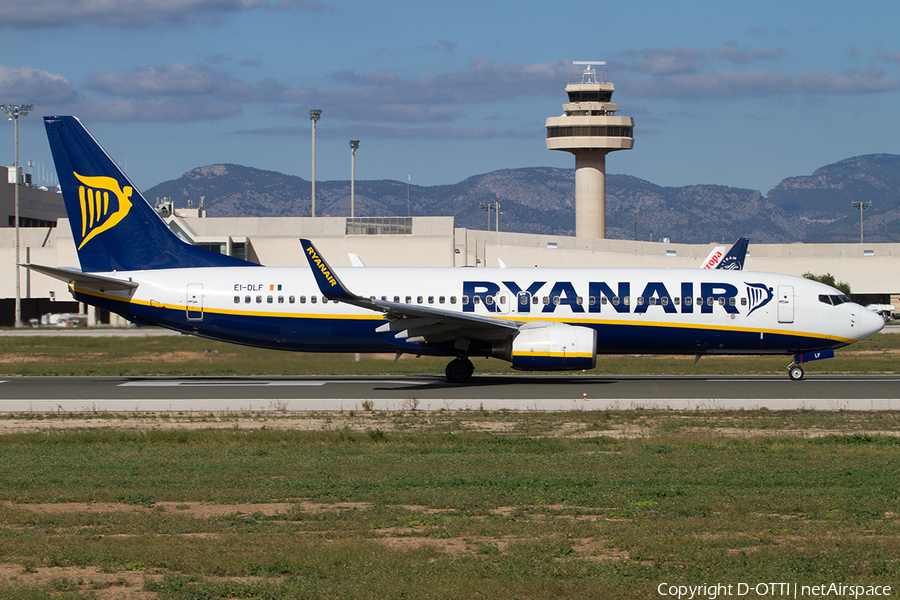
[[871, 269]]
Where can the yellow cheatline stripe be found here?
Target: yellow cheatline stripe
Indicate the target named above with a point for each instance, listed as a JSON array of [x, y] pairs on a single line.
[[555, 354], [378, 317], [700, 326]]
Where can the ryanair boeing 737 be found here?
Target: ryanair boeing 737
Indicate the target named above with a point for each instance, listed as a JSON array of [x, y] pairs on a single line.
[[534, 318]]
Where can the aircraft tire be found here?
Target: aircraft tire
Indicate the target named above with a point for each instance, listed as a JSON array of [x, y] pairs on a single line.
[[795, 373], [459, 370]]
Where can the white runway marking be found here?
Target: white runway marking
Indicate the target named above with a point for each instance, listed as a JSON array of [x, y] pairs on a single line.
[[260, 383], [810, 380]]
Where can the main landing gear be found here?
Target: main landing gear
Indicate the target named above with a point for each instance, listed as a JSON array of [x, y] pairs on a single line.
[[459, 370]]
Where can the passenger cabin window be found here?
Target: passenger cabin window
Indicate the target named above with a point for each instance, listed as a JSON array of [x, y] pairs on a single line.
[[312, 299], [237, 299], [453, 299], [246, 299], [292, 299]]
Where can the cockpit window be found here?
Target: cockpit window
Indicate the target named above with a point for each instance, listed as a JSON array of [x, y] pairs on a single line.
[[834, 299]]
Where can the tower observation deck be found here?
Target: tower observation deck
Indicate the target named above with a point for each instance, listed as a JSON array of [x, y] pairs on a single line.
[[590, 130]]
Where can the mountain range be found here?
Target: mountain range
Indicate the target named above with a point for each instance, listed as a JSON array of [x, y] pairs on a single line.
[[807, 208]]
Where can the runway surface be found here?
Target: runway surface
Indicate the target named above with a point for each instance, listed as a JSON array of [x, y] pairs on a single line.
[[816, 392]]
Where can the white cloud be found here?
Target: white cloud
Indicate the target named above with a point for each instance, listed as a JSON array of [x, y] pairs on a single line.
[[155, 111], [169, 80], [133, 13], [759, 83], [31, 85], [681, 60]]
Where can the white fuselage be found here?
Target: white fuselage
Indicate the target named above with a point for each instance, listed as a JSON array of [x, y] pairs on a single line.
[[632, 310]]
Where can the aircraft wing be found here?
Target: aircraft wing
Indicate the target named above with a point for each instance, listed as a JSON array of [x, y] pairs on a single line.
[[413, 322], [71, 276]]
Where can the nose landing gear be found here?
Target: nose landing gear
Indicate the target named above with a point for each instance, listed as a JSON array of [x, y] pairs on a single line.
[[795, 372]]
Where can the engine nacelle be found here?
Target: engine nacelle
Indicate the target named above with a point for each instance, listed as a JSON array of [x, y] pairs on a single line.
[[550, 347]]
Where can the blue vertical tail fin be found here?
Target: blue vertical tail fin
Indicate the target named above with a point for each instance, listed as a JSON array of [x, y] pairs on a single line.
[[734, 258], [114, 227]]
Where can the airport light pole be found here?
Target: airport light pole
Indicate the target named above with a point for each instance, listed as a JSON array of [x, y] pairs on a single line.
[[488, 208], [497, 208], [354, 146], [14, 111], [861, 206], [314, 116]]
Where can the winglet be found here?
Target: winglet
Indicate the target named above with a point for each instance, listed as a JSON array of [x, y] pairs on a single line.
[[328, 282]]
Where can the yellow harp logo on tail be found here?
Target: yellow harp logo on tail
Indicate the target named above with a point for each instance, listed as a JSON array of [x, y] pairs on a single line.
[[97, 213]]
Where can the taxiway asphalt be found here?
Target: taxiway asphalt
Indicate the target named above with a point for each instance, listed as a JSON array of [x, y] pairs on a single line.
[[573, 392]]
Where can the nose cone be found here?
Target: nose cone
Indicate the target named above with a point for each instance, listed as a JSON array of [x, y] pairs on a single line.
[[870, 323]]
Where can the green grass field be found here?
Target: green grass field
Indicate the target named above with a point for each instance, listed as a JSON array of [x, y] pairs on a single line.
[[429, 506]]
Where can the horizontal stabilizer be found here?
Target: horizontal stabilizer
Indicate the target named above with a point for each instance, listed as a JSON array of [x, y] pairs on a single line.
[[84, 279]]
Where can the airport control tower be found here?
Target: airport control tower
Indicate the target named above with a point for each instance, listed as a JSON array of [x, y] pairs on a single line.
[[590, 130]]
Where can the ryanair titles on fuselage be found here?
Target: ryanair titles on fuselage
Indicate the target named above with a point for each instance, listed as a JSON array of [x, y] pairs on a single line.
[[655, 294]]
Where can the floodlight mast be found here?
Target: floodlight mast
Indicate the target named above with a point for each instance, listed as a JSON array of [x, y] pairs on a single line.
[[314, 115], [14, 111], [354, 146], [861, 206]]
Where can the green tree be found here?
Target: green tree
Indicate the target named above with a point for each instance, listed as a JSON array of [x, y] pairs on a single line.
[[828, 279]]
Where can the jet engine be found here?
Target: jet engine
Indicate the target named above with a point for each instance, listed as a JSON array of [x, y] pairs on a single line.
[[549, 347]]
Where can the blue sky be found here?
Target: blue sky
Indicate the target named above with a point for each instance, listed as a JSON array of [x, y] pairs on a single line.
[[742, 94]]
